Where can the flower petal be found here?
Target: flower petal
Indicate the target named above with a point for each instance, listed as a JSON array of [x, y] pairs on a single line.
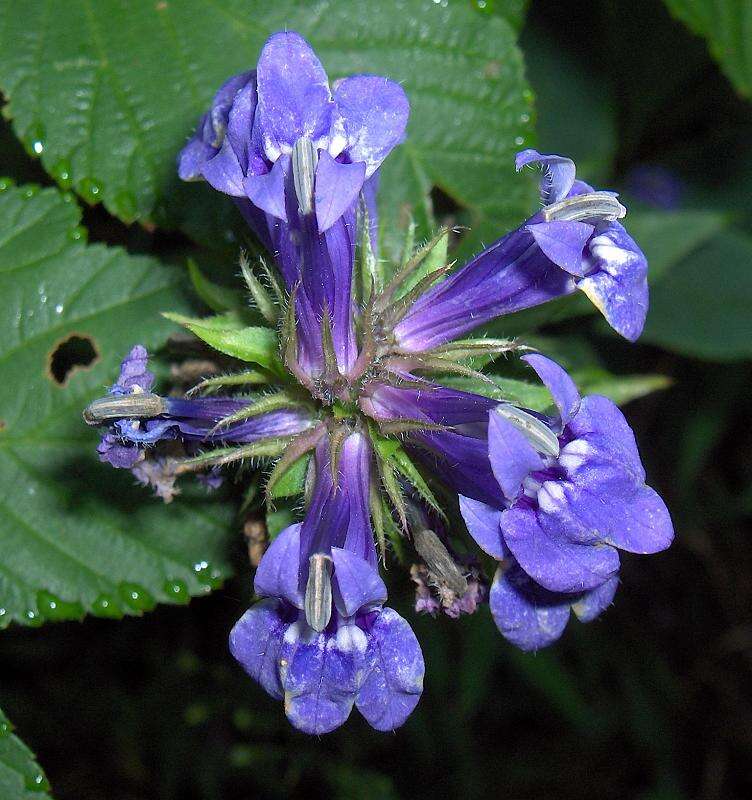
[[134, 372], [277, 574], [255, 642], [359, 585], [636, 520], [558, 174], [193, 157], [557, 381], [553, 561], [293, 94], [617, 283], [224, 173], [374, 113], [527, 615], [483, 524], [601, 424], [564, 243], [593, 603], [267, 191], [321, 675], [337, 188], [511, 455], [394, 682]]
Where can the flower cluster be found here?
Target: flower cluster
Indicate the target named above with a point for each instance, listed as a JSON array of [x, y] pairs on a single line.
[[362, 393]]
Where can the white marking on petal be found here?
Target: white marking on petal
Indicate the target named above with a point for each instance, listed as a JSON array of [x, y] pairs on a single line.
[[551, 497]]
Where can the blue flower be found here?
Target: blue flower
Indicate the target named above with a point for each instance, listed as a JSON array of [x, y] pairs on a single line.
[[130, 442], [575, 495], [296, 155], [321, 638], [573, 243]]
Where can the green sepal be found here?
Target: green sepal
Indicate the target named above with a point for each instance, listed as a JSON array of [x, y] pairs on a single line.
[[250, 377], [253, 344], [434, 255], [292, 482], [262, 299], [261, 405], [409, 471], [264, 448]]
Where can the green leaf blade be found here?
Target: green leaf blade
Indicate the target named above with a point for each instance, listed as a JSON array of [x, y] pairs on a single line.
[[76, 535]]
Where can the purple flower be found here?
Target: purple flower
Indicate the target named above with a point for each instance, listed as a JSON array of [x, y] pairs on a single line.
[[128, 442], [575, 494], [573, 243], [296, 155], [321, 638]]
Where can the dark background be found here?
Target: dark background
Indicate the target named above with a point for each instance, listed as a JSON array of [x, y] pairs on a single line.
[[652, 701]]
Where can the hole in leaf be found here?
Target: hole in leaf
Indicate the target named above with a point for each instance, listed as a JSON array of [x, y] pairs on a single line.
[[71, 354]]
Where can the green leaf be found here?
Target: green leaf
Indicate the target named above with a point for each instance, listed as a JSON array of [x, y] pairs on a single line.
[[218, 298], [727, 26], [702, 305], [21, 778], [619, 388], [668, 237], [292, 482], [568, 102], [256, 345], [104, 114], [76, 535]]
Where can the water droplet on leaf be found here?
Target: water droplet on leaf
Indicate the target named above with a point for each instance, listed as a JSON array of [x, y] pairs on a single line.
[[37, 782], [91, 190], [136, 597], [61, 172], [177, 591], [53, 608], [105, 606]]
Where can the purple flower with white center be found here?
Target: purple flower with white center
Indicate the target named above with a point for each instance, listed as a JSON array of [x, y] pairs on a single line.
[[297, 154], [574, 243], [575, 495], [321, 638]]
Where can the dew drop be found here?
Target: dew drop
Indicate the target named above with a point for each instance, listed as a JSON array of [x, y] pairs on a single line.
[[136, 597], [36, 136], [59, 308], [33, 618], [177, 591], [524, 118], [5, 728], [210, 576], [77, 234], [91, 190], [37, 782], [55, 609], [6, 183], [519, 141], [61, 172], [105, 606], [30, 191]]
